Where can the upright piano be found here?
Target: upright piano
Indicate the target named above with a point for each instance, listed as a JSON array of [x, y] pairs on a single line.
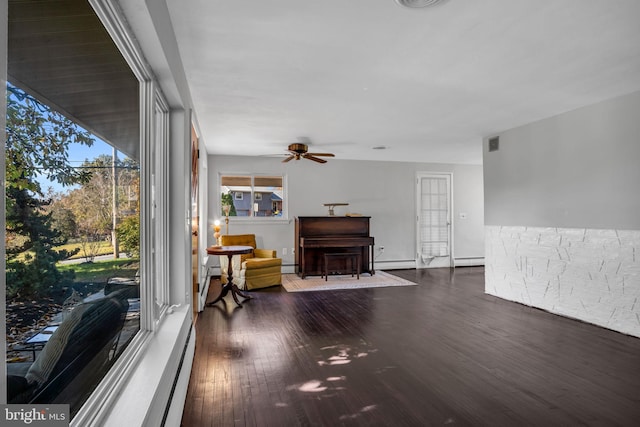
[[317, 235]]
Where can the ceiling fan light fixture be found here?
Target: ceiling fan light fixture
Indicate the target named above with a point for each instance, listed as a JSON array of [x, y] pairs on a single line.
[[415, 4], [299, 151]]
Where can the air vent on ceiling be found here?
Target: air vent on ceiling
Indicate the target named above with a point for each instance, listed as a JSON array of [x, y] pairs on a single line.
[[419, 3], [494, 143]]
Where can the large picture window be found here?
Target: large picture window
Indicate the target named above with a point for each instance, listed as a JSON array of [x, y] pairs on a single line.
[[73, 255], [86, 217], [253, 196]]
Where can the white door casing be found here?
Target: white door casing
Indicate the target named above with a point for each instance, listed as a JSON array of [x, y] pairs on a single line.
[[434, 247]]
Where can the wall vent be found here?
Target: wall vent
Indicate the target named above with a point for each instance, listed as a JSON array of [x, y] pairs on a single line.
[[494, 143]]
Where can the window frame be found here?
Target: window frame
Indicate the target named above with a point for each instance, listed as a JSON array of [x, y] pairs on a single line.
[[154, 196], [158, 208], [284, 218]]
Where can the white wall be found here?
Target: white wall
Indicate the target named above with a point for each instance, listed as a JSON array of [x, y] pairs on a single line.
[[385, 191], [578, 169], [561, 207], [587, 274]]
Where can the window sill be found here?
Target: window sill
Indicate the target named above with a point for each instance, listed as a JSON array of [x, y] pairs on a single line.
[[258, 220], [145, 395]]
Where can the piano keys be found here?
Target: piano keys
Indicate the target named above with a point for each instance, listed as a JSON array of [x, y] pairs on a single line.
[[317, 235]]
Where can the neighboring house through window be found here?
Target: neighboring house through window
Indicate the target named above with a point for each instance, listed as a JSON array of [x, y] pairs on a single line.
[[253, 196]]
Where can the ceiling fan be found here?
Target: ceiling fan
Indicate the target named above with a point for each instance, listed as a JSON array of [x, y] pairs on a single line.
[[300, 151]]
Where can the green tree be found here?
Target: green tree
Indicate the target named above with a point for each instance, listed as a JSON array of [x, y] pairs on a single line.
[[92, 203], [37, 145], [129, 235], [62, 216], [227, 199], [36, 274]]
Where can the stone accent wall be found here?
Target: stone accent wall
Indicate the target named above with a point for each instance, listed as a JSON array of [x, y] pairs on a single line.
[[586, 274]]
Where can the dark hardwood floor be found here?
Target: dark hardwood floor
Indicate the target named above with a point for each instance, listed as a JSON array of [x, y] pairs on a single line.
[[440, 353]]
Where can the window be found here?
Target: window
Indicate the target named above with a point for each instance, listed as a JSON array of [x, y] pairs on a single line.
[[253, 196], [87, 257], [73, 258]]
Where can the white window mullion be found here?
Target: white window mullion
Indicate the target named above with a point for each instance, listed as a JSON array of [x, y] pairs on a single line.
[[148, 313], [160, 202]]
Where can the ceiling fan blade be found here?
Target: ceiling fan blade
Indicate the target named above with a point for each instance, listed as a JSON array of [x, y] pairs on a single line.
[[315, 159], [291, 157], [321, 154]]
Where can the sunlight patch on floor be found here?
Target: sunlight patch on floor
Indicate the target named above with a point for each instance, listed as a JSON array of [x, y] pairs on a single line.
[[343, 355], [313, 386], [364, 409]]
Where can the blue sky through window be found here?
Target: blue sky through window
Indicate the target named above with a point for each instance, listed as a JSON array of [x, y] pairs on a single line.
[[78, 153]]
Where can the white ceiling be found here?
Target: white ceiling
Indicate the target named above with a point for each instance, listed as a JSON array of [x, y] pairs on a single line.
[[428, 83]]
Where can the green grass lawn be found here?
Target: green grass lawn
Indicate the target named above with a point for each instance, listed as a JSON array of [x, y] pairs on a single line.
[[105, 248], [101, 271], [97, 271]]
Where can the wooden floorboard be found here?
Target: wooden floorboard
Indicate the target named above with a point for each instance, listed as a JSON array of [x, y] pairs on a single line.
[[440, 353]]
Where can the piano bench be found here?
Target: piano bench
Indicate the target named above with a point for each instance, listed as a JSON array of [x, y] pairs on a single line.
[[353, 257]]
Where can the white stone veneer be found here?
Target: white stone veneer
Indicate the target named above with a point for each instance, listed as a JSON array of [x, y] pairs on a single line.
[[586, 274]]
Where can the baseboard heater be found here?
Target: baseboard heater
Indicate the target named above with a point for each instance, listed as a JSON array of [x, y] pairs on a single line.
[[398, 264], [468, 262], [384, 265], [177, 377]]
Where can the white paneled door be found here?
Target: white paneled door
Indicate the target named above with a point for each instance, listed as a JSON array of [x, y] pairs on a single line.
[[433, 220]]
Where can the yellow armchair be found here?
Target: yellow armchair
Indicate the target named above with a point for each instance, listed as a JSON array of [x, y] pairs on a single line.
[[256, 270]]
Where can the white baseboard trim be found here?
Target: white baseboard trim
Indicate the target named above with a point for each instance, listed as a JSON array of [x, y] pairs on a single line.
[[288, 269], [395, 265], [468, 262], [215, 272], [379, 265]]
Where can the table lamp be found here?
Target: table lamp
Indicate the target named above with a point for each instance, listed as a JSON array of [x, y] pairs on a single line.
[[225, 209], [216, 231]]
